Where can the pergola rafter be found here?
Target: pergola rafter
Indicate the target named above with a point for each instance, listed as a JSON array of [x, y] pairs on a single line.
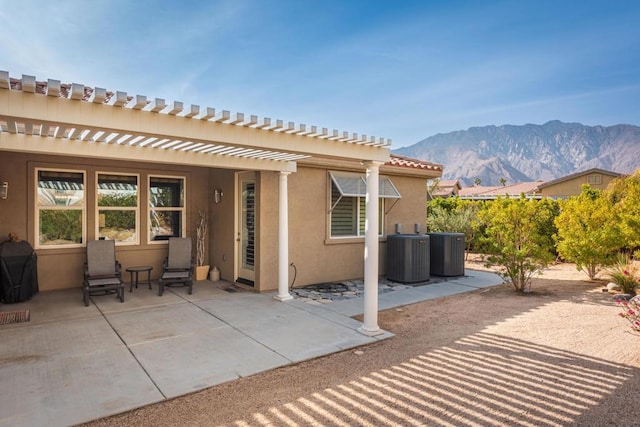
[[81, 119]]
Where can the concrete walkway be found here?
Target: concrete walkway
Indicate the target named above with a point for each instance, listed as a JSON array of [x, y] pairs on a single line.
[[71, 364]]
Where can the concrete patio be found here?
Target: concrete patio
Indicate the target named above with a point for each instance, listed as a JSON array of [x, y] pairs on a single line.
[[71, 364]]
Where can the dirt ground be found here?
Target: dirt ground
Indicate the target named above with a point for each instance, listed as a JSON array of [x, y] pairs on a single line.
[[559, 355]]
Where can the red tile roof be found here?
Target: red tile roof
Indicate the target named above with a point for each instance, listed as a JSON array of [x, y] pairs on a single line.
[[513, 190], [408, 162]]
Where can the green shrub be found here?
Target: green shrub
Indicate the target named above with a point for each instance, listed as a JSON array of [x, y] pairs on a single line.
[[517, 238], [588, 231]]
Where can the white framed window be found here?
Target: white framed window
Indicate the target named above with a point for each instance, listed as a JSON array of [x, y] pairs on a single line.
[[118, 207], [348, 214], [594, 179], [167, 210], [60, 217]]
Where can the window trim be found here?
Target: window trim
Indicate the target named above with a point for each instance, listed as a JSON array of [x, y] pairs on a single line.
[[37, 209], [183, 208], [117, 208], [594, 179]]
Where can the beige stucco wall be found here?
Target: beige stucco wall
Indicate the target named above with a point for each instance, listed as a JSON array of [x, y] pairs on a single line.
[[222, 223], [573, 187], [318, 258], [62, 268]]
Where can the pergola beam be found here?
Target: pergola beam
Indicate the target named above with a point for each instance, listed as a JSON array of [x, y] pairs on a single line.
[[34, 144]]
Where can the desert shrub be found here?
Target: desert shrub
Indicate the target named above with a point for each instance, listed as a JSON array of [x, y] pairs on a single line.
[[624, 194], [626, 274], [631, 312], [517, 238], [588, 231], [454, 217]]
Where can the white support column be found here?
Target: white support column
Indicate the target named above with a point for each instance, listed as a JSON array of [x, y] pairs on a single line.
[[283, 239], [370, 326]]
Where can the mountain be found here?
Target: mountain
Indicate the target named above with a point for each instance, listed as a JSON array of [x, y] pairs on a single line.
[[529, 152]]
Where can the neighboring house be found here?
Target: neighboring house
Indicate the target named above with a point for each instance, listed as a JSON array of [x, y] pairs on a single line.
[[490, 193], [571, 185], [84, 163], [446, 188]]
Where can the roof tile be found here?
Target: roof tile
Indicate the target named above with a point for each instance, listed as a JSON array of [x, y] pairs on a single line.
[[408, 162]]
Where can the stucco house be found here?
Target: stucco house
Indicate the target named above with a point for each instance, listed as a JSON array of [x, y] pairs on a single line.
[[446, 188], [571, 185], [85, 163]]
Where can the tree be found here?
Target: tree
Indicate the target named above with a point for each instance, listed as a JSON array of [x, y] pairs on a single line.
[[624, 193], [588, 231], [503, 181], [518, 239], [477, 182], [432, 186]]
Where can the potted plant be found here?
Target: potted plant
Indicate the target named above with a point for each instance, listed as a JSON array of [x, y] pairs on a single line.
[[202, 269]]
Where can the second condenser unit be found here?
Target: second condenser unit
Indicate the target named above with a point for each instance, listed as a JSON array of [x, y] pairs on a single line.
[[408, 258], [447, 254]]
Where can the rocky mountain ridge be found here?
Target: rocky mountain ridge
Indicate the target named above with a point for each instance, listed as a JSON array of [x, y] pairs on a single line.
[[529, 152]]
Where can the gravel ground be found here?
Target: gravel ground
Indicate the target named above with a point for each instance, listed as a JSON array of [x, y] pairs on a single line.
[[559, 355]]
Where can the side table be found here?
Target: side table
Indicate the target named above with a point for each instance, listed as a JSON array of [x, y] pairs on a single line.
[[135, 271]]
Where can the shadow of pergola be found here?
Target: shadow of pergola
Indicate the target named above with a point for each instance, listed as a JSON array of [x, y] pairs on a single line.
[[481, 379]]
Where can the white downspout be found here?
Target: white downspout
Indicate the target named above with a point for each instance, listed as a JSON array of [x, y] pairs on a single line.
[[283, 239], [370, 326]]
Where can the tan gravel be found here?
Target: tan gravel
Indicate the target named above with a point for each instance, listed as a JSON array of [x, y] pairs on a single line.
[[557, 356]]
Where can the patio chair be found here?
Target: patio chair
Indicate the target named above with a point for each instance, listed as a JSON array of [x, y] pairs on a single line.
[[102, 272], [177, 268]]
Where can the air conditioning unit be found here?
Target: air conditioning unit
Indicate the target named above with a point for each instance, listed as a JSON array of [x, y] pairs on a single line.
[[447, 254], [408, 258]]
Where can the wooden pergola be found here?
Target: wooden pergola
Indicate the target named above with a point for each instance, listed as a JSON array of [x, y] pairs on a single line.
[[49, 117]]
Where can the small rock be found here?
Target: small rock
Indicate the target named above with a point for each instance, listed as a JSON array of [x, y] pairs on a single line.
[[613, 287], [399, 309], [622, 297], [358, 352]]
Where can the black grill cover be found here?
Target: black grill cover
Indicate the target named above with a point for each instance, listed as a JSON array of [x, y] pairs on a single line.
[[18, 271]]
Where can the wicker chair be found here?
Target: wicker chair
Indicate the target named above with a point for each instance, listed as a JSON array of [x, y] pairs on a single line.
[[102, 272], [177, 268]]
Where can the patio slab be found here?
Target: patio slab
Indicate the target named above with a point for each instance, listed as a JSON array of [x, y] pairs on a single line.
[[190, 362], [67, 372], [58, 305], [160, 323], [71, 364]]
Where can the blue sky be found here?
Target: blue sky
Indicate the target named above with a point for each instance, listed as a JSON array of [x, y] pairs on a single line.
[[403, 70]]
